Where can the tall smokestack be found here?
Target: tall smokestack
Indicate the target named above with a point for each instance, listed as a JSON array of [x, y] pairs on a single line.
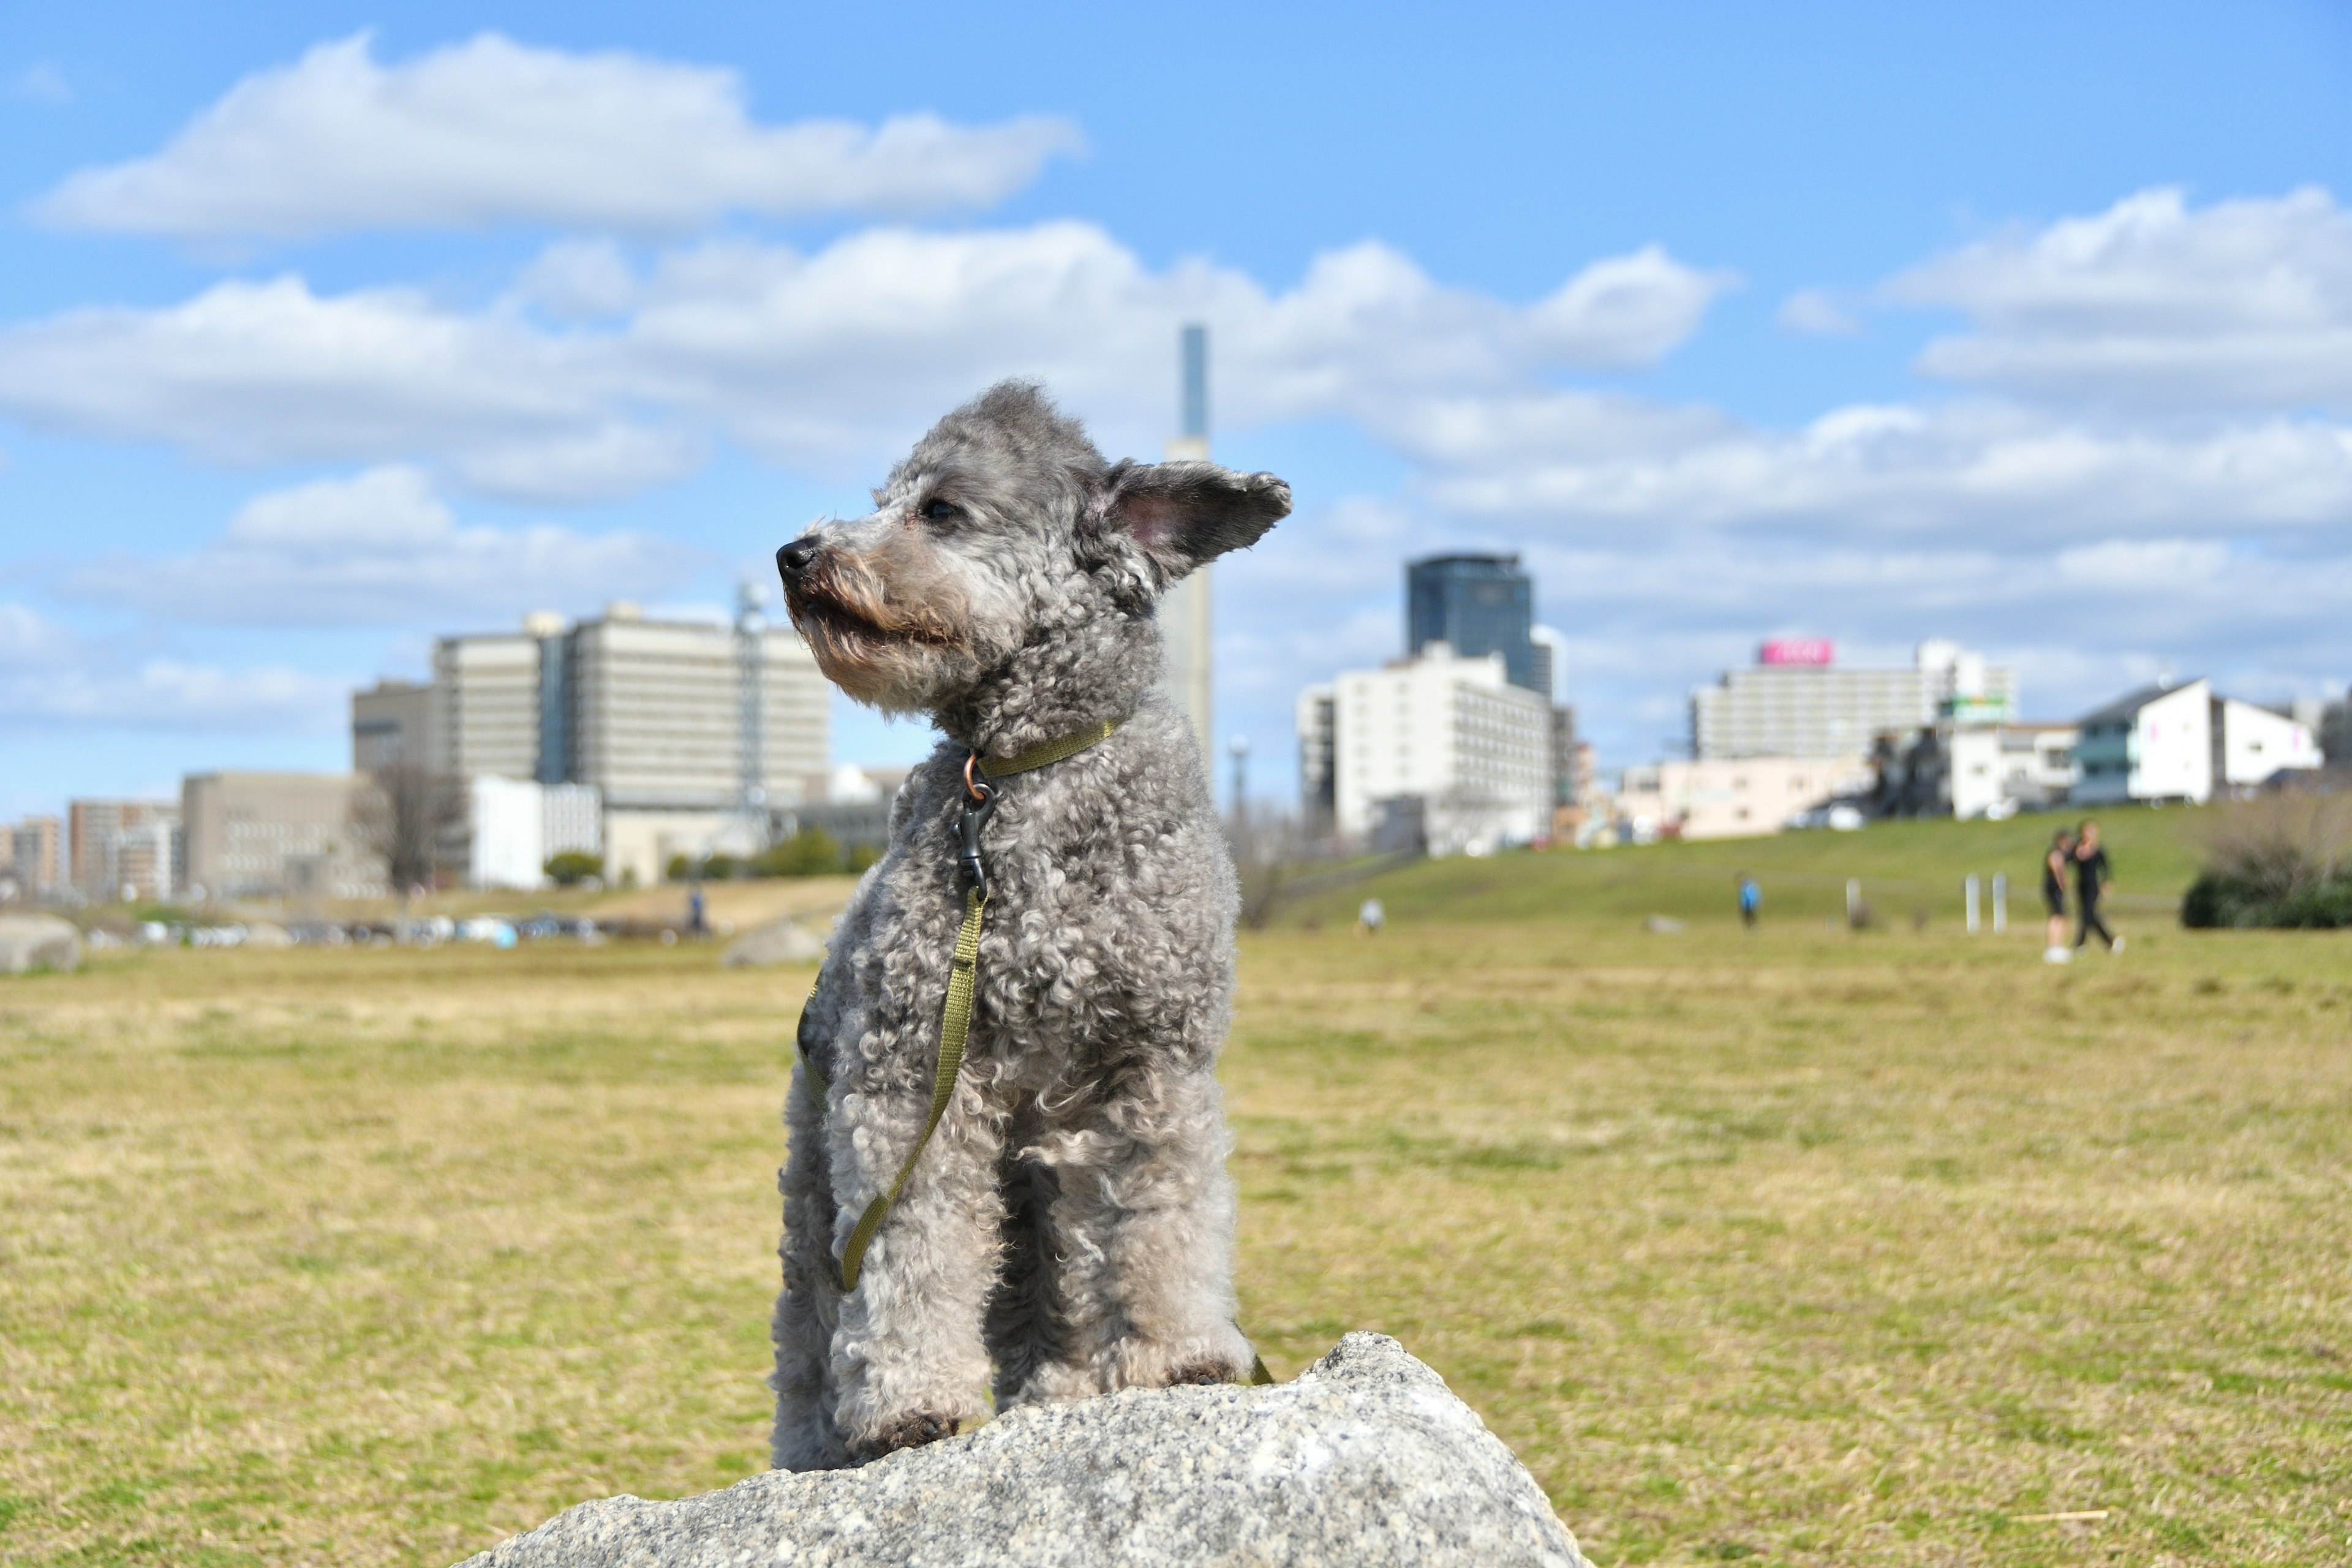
[[1184, 623]]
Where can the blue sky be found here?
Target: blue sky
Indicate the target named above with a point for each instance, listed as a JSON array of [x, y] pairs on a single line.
[[322, 331]]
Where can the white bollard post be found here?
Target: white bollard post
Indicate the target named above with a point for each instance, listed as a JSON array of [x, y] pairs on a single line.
[[1972, 903], [2000, 902]]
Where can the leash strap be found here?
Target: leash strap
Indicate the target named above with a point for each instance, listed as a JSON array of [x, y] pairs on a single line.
[[964, 975], [953, 1027]]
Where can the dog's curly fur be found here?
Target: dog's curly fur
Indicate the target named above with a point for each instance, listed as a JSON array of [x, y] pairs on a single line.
[[1070, 1225]]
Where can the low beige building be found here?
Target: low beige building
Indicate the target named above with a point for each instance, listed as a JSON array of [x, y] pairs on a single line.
[[274, 836], [1732, 798]]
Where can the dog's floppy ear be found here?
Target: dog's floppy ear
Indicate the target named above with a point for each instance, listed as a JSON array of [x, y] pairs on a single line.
[[1173, 517]]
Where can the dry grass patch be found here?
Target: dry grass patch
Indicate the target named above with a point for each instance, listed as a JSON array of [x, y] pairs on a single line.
[[1796, 1251]]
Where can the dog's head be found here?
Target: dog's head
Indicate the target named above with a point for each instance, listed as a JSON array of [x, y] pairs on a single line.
[[1004, 531]]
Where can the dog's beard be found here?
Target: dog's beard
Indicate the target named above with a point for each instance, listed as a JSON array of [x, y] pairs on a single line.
[[885, 653]]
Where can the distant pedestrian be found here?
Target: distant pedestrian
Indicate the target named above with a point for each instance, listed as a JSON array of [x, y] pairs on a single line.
[[2055, 861], [1369, 917], [1751, 900], [2091, 880], [696, 920]]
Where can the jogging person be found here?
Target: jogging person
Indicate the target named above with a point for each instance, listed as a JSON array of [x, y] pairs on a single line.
[[2091, 880], [2053, 894], [1751, 900]]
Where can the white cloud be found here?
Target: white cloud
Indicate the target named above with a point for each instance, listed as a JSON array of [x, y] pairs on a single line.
[[270, 373], [2152, 304], [380, 549], [1817, 314], [827, 360], [52, 677], [1877, 472], [492, 132], [41, 82]]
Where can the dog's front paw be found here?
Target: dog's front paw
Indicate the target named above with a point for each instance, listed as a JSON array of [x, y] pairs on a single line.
[[909, 1432], [1204, 1373]]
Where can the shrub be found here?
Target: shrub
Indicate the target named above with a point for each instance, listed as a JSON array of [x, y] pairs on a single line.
[[2282, 860], [573, 866], [811, 852]]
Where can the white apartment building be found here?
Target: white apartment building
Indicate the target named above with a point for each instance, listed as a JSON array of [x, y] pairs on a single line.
[[2156, 744], [2252, 743], [1451, 732], [1824, 709]]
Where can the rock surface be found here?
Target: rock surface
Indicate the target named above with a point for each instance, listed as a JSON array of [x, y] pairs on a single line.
[[1367, 1460], [778, 942], [38, 942]]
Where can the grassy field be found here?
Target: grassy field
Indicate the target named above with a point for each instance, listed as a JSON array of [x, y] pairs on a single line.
[[1807, 1247]]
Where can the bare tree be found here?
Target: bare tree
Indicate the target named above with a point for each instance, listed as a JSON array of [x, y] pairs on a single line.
[[401, 815], [2281, 845]]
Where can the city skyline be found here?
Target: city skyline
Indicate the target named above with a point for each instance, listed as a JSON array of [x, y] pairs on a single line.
[[2018, 329]]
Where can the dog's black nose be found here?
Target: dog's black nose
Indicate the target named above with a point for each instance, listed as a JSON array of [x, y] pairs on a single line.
[[793, 559]]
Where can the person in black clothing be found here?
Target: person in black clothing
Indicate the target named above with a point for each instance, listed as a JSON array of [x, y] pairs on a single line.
[[2054, 861], [2091, 880]]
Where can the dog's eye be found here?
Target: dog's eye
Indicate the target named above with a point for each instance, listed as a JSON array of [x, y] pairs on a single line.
[[942, 512]]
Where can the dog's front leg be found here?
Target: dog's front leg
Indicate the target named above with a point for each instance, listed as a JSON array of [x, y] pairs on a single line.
[[809, 1307], [1160, 1292], [908, 1362]]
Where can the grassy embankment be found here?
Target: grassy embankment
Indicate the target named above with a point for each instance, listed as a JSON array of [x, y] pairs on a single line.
[[1803, 1246]]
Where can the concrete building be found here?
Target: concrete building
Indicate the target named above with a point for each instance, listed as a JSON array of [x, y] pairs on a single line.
[[484, 709], [275, 834], [1454, 732], [686, 730], [1731, 799], [2252, 743], [1317, 723], [2156, 744], [125, 850], [1796, 701], [32, 858], [394, 721]]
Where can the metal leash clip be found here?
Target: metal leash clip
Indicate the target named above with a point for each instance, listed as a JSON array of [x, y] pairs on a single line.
[[976, 813]]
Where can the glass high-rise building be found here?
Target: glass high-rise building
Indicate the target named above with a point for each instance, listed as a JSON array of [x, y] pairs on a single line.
[[1477, 604]]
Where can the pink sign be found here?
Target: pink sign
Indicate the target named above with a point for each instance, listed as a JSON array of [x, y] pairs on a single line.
[[1796, 650]]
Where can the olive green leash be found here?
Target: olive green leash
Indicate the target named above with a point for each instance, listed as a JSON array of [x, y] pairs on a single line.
[[955, 1021]]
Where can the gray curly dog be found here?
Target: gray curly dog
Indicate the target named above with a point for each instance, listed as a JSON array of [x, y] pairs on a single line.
[[1070, 1223]]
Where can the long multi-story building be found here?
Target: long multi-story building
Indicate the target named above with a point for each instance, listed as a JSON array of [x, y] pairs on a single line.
[[682, 728], [1454, 733], [124, 848], [1795, 701], [276, 834], [32, 857]]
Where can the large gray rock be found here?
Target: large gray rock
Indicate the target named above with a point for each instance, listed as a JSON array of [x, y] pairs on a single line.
[[777, 941], [38, 942], [1366, 1460]]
